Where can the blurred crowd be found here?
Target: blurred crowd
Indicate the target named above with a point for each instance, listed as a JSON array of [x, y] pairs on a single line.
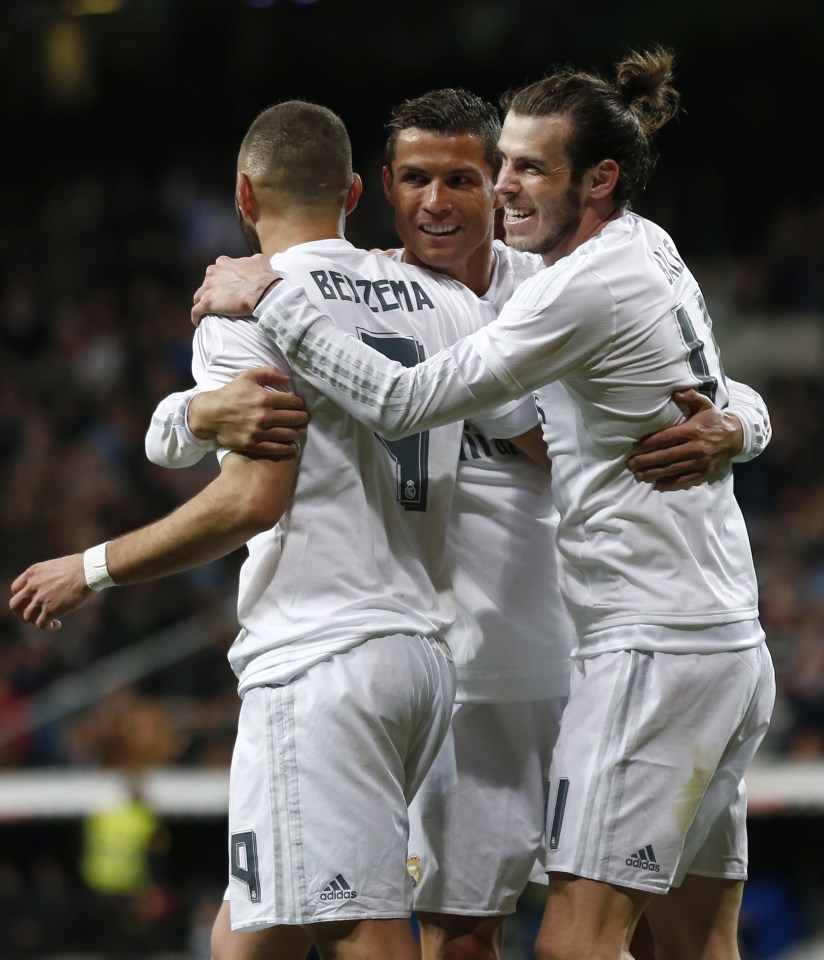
[[95, 290], [96, 281]]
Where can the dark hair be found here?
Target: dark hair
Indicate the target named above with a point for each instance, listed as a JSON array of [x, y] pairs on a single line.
[[608, 120], [449, 112], [300, 151]]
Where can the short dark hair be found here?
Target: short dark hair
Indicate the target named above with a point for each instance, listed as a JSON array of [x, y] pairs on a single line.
[[608, 120], [300, 151], [450, 112]]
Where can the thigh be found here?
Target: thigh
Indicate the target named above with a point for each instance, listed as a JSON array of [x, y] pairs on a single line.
[[642, 740], [587, 918], [285, 943], [364, 940], [697, 919], [322, 766], [477, 823], [716, 843]]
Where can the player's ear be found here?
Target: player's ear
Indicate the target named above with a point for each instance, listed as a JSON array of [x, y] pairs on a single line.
[[386, 177], [354, 194], [604, 176], [245, 200]]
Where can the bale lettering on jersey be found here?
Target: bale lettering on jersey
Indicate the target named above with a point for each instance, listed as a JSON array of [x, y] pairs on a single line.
[[672, 266], [379, 295]]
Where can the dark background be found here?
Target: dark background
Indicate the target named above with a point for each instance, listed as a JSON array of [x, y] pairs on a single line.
[[154, 77], [119, 126]]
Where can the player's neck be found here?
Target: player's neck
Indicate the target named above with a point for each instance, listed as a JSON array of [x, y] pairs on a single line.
[[474, 272], [279, 234], [592, 223]]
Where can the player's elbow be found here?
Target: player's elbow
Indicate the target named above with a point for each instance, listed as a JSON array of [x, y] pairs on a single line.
[[258, 507], [255, 492], [257, 512]]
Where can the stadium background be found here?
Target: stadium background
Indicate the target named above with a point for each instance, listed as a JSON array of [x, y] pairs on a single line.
[[120, 124]]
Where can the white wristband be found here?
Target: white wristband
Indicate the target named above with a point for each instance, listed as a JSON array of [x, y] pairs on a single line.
[[95, 569]]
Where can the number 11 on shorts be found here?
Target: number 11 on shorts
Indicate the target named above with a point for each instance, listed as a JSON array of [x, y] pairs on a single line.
[[558, 813]]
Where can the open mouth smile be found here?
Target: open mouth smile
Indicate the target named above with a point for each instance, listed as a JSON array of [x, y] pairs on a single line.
[[438, 229], [514, 214]]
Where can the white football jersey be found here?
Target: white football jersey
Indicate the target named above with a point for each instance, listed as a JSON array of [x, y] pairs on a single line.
[[512, 636], [361, 551], [604, 338]]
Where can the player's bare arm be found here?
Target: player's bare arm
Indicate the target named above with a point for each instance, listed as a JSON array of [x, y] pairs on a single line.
[[252, 414], [692, 452], [248, 496], [233, 286]]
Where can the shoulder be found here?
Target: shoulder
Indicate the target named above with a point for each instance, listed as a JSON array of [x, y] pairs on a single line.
[[522, 265], [235, 340]]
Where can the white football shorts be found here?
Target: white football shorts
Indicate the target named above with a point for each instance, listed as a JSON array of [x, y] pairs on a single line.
[[477, 823], [322, 772], [646, 778]]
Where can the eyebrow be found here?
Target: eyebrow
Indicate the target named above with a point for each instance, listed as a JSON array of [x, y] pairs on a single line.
[[414, 168], [523, 158]]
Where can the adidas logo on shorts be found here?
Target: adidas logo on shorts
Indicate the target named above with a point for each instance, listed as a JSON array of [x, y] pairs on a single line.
[[338, 889], [644, 859]]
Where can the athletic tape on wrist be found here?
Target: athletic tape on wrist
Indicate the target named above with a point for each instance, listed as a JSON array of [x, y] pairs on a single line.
[[95, 568]]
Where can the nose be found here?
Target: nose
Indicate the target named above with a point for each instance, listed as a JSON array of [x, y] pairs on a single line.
[[506, 185], [437, 198]]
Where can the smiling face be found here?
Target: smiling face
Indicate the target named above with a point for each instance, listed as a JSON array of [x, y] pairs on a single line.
[[542, 206], [441, 187]]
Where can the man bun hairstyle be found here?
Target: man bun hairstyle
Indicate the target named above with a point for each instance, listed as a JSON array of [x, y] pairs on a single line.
[[608, 120]]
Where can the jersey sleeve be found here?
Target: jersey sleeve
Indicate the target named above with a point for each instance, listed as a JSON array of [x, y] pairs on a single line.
[[508, 420], [751, 410], [169, 441], [222, 348], [514, 354], [382, 394]]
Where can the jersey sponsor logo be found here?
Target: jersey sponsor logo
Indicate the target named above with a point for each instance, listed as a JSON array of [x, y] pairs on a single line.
[[380, 296], [475, 446], [644, 859], [338, 889], [414, 869]]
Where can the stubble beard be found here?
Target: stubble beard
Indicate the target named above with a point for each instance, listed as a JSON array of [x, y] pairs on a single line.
[[565, 221]]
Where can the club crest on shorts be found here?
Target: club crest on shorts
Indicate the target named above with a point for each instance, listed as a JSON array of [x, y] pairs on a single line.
[[414, 869]]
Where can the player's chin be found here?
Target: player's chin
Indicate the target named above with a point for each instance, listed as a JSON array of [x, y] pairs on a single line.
[[519, 241]]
